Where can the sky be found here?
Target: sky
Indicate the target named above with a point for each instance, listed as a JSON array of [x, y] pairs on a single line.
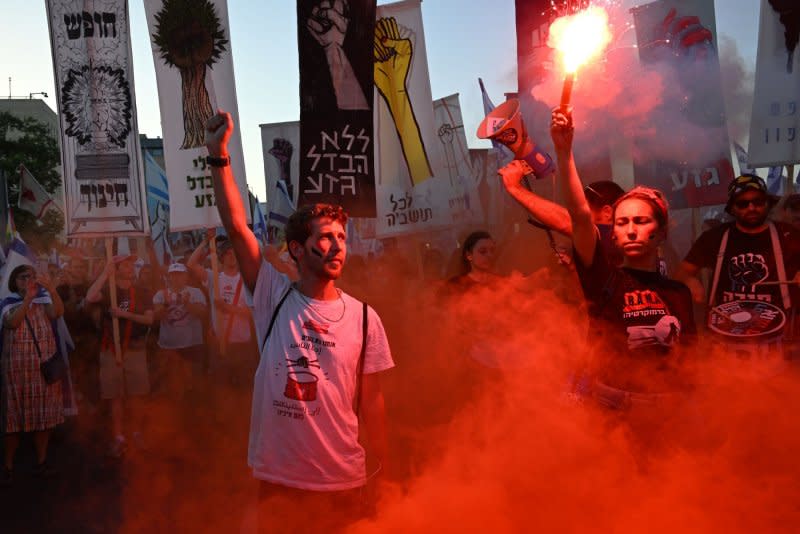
[[465, 39]]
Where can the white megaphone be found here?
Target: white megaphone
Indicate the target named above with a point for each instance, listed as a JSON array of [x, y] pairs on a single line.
[[504, 125]]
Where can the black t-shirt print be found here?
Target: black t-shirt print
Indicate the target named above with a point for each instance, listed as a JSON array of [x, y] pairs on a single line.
[[748, 261], [637, 319]]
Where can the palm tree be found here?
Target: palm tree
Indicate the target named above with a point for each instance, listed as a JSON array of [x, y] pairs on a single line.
[[189, 36]]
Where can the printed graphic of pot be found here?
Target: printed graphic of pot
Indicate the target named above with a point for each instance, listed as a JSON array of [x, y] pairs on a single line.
[[301, 386], [301, 382]]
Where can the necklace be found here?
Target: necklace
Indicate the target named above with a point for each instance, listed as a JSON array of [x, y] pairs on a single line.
[[316, 310]]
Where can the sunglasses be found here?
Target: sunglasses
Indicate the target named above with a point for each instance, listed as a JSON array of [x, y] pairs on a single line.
[[756, 202]]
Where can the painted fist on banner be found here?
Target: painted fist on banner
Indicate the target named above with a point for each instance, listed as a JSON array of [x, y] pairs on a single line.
[[686, 36], [328, 25], [328, 22], [282, 150], [393, 54]]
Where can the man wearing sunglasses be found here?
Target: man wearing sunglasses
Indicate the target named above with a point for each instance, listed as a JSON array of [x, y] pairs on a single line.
[[752, 262]]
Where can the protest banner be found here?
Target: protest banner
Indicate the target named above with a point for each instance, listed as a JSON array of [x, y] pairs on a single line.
[[280, 144], [411, 191], [775, 122], [687, 153], [194, 72], [463, 200], [336, 41], [100, 154]]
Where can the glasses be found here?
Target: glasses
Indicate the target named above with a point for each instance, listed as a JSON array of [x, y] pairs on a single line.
[[756, 202]]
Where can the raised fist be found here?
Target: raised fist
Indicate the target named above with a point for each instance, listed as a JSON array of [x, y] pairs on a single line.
[[282, 150], [328, 22], [746, 270]]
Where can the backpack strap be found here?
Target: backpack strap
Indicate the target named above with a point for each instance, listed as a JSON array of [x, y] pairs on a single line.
[[360, 366], [272, 320]]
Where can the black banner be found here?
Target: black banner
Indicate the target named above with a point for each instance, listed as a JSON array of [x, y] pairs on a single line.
[[336, 48]]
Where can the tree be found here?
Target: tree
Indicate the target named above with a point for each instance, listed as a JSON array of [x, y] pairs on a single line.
[[190, 37], [29, 142]]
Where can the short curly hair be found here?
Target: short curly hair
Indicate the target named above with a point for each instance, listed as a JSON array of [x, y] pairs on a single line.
[[298, 227]]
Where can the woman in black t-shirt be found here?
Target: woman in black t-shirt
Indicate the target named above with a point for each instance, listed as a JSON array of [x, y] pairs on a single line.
[[639, 319]]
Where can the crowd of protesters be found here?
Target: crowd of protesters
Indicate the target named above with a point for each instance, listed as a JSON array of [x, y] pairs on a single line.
[[310, 356]]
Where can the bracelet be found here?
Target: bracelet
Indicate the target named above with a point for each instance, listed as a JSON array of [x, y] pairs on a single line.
[[218, 162]]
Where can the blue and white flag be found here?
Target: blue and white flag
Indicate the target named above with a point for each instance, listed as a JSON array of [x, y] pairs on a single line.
[[775, 180], [501, 150], [158, 208], [259, 222], [280, 208], [742, 158]]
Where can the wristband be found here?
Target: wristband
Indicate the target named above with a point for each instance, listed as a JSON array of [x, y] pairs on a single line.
[[218, 162]]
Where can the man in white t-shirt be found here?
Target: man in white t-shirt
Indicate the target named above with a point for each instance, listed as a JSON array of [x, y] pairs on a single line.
[[319, 369], [180, 309], [230, 314]]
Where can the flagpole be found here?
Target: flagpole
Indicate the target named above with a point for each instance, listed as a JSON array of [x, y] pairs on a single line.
[[212, 251], [112, 293], [790, 179]]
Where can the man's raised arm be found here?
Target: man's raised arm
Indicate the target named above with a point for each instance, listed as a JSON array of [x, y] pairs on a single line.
[[548, 213], [229, 201]]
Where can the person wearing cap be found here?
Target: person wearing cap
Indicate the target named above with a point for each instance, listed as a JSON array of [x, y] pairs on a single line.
[[750, 261], [317, 386], [600, 195], [126, 383], [640, 322], [791, 210], [231, 317], [180, 310]]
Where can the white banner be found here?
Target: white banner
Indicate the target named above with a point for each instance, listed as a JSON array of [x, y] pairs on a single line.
[[194, 71], [280, 142], [463, 201], [100, 154], [775, 122], [412, 188]]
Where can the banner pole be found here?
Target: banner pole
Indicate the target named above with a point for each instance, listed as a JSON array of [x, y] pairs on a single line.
[[112, 293], [790, 179], [212, 251]]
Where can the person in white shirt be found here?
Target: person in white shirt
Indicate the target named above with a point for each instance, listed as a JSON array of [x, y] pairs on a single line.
[[180, 309], [322, 353], [233, 351]]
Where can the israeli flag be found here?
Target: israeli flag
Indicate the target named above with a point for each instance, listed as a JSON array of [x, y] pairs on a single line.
[[158, 208]]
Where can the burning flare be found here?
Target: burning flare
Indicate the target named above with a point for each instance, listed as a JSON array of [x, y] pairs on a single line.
[[580, 37]]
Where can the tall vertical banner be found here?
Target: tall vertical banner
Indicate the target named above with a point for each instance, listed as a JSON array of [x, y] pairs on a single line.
[[335, 41], [463, 201], [775, 122], [100, 154], [411, 193], [280, 144], [678, 37], [194, 71], [534, 58]]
